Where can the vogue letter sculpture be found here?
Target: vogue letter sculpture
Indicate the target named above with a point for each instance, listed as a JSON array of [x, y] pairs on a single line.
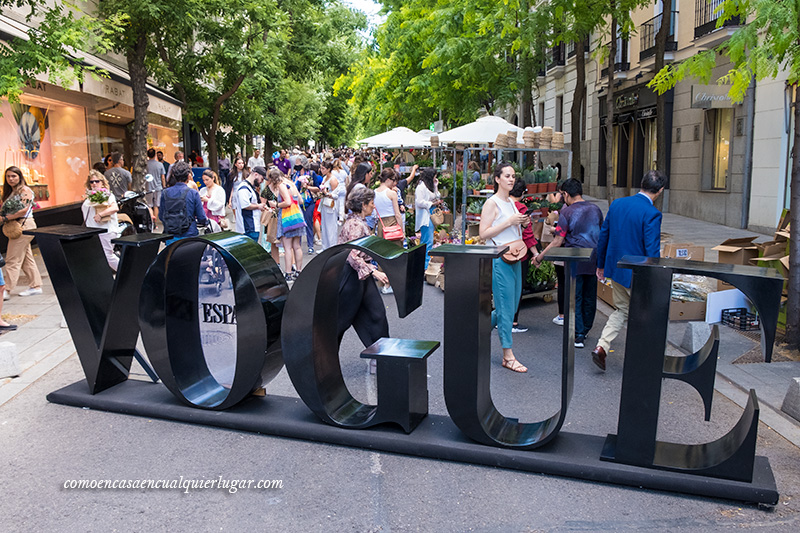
[[169, 313]]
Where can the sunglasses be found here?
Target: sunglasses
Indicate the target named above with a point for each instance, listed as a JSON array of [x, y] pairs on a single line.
[[95, 181]]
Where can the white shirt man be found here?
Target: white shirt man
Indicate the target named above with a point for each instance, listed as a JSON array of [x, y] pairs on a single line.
[[256, 160]]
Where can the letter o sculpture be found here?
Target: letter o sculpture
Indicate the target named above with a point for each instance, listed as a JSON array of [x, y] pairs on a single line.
[[170, 325]]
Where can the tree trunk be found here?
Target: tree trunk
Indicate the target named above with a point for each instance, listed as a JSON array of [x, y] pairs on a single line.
[[661, 119], [248, 146], [577, 107], [793, 305], [610, 177], [269, 147], [141, 102], [527, 90]]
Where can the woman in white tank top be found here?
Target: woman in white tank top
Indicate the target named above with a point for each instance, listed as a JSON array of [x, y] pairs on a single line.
[[386, 203], [501, 224]]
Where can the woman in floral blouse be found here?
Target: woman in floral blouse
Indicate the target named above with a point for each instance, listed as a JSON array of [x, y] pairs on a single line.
[[18, 205], [360, 304]]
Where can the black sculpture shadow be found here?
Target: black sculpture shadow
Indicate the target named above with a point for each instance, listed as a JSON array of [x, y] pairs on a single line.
[[467, 348], [100, 310], [731, 456], [312, 360], [171, 327]]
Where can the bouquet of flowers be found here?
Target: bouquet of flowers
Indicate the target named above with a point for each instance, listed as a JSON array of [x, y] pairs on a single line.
[[99, 200], [12, 205]]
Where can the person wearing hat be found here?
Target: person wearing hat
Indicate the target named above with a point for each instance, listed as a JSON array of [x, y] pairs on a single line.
[[247, 206]]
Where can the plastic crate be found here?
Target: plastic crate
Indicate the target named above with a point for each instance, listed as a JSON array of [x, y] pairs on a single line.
[[739, 318]]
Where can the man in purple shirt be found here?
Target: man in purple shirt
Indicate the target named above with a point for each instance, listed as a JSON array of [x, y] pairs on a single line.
[[579, 225], [283, 163]]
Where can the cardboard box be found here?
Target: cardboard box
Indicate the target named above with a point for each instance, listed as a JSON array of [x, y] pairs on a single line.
[[432, 272], [770, 248], [735, 252], [684, 251], [778, 262], [693, 311], [605, 293]]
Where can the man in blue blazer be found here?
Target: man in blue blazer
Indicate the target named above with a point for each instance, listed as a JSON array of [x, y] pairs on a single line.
[[632, 227]]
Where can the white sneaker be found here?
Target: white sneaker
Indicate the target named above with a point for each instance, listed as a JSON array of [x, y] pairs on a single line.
[[6, 295], [387, 289], [518, 329], [558, 321], [31, 292]]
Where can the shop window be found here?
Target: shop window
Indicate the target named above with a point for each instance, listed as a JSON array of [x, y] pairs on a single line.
[[717, 138], [584, 111], [47, 140], [540, 122], [650, 145], [559, 126]]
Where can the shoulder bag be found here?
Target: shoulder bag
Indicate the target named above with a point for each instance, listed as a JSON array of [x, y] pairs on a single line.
[[292, 217], [392, 233]]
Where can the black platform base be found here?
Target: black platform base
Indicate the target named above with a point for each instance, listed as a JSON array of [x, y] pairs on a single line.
[[570, 454]]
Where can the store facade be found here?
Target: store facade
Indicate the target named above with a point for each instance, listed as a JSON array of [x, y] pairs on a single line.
[[56, 135]]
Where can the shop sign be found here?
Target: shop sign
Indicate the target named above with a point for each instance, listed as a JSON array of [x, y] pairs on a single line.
[[109, 89], [298, 329], [626, 100], [711, 96], [164, 108], [649, 112]]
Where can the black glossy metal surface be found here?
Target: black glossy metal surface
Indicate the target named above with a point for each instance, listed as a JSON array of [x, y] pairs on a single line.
[[571, 454], [171, 329], [761, 285], [313, 360], [100, 310], [402, 379], [467, 344], [729, 457]]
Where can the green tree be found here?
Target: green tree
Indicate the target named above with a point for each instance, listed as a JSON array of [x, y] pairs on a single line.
[[209, 48], [139, 22], [60, 30], [768, 44]]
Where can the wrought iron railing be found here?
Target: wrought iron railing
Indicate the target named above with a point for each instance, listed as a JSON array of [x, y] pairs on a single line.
[[648, 32], [621, 59], [706, 15]]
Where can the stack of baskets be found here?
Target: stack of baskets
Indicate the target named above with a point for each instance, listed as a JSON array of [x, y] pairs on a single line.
[[546, 137], [501, 141], [434, 141], [558, 141], [531, 138]]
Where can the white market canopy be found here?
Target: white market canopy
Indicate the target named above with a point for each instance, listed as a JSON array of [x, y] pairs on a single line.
[[482, 131], [396, 138]]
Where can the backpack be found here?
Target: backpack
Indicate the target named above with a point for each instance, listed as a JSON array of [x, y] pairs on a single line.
[[176, 220]]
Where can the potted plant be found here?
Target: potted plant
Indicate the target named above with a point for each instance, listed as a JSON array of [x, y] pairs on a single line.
[[529, 177]]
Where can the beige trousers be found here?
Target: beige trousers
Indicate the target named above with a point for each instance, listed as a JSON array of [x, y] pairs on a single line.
[[19, 256], [618, 319]]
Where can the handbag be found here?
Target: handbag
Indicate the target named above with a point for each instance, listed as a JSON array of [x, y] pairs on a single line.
[[12, 229], [292, 217], [517, 250], [392, 233], [437, 216]]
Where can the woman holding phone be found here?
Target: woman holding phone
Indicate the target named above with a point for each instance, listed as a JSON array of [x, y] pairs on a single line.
[[501, 225]]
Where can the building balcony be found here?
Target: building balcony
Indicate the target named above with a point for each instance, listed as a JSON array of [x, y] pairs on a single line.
[[648, 32], [705, 17], [621, 61]]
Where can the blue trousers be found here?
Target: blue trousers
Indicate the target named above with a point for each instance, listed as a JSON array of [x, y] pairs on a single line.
[[308, 216], [426, 238], [506, 288]]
